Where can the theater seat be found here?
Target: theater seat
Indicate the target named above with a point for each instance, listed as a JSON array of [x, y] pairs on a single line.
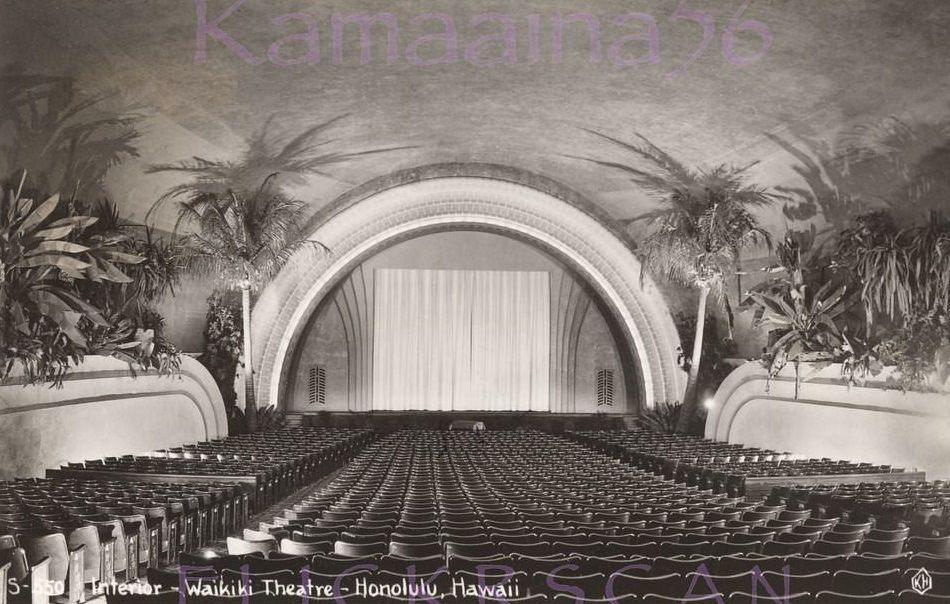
[[783, 547], [909, 596], [831, 597], [930, 562], [884, 548], [592, 585], [813, 563], [937, 546], [850, 582], [874, 563], [738, 597], [65, 567], [835, 548], [620, 599], [532, 599], [243, 546], [359, 550], [297, 548], [668, 585], [415, 550], [810, 583], [89, 538], [658, 599]]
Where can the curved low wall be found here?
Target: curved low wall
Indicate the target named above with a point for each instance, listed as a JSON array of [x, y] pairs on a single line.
[[101, 410], [828, 419]]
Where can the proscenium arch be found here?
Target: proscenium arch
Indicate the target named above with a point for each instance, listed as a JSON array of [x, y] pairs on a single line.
[[498, 199]]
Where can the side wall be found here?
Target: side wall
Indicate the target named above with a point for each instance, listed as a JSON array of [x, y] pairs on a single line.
[[103, 411], [828, 419]]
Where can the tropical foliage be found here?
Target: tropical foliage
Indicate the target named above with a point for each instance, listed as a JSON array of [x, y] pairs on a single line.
[[664, 417], [48, 251], [78, 280], [904, 276], [880, 298], [804, 321], [903, 271], [129, 306], [243, 225], [223, 342], [705, 219]]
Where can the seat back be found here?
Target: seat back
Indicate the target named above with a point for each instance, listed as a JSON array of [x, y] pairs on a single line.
[[120, 557], [359, 550], [297, 548], [88, 536], [865, 584], [833, 597], [52, 546], [242, 546], [143, 534], [14, 559]]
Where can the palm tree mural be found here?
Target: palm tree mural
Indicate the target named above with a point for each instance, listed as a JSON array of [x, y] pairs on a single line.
[[890, 163], [245, 228], [898, 164], [704, 220], [826, 189], [64, 138]]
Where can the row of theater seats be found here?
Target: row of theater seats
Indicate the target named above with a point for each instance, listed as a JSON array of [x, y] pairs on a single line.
[[527, 496], [709, 464], [279, 461], [70, 532], [923, 507], [568, 578], [103, 521]]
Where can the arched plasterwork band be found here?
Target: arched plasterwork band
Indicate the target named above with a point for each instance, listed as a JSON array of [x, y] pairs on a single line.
[[361, 229]]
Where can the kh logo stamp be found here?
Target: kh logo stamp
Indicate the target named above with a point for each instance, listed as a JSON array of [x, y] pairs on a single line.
[[922, 582]]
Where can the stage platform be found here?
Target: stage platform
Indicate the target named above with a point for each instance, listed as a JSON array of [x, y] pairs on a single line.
[[389, 421]]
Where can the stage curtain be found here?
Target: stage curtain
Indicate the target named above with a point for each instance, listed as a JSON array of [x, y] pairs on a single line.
[[453, 340]]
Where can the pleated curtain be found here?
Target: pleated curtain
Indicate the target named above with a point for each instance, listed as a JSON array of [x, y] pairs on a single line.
[[461, 340]]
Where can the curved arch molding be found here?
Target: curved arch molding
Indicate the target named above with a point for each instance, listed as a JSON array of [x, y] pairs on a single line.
[[101, 410], [369, 220], [869, 423]]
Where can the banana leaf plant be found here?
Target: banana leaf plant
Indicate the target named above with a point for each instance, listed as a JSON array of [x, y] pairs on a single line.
[[44, 250], [805, 326]]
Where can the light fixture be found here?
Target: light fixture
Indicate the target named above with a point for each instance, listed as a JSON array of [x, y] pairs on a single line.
[[709, 403]]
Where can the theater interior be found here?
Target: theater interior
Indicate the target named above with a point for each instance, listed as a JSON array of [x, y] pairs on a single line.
[[535, 301]]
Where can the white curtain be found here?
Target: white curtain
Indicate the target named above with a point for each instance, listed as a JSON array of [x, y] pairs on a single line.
[[461, 340]]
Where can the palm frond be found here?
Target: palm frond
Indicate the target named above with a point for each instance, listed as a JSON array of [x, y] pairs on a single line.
[[268, 160]]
